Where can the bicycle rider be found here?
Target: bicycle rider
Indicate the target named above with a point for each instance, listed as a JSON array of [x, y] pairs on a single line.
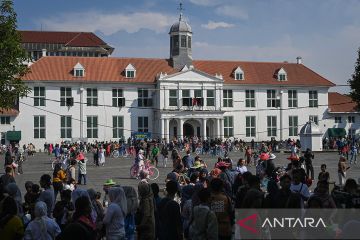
[[140, 161]]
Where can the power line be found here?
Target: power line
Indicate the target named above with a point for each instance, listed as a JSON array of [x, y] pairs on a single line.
[[156, 133]]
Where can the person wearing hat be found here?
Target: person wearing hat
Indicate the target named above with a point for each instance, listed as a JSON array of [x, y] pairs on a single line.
[[106, 186], [82, 168], [270, 166], [197, 165], [139, 161]]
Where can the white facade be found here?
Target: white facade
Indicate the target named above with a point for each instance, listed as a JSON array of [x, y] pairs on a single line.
[[169, 121], [350, 121]]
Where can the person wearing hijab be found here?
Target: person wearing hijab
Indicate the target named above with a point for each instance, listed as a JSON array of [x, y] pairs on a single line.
[[13, 190], [146, 225], [99, 210], [132, 206], [115, 214], [42, 227], [77, 193], [82, 227], [11, 226]]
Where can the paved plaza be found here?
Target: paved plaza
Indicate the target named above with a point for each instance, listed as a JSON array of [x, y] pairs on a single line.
[[118, 169]]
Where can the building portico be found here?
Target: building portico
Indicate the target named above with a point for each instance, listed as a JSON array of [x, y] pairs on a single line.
[[188, 126]]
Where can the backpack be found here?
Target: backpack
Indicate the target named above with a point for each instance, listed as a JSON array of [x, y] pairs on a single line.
[[303, 198]]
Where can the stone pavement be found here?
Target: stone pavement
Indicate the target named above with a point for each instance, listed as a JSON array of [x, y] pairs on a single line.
[[118, 169]]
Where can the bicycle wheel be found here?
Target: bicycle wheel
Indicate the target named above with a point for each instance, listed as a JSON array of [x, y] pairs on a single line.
[[133, 171], [153, 173], [124, 154], [115, 153]]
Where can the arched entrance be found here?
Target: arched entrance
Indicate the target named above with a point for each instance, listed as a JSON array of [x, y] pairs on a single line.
[[191, 128], [188, 130]]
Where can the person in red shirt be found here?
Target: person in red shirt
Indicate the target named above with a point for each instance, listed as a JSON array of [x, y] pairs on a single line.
[[108, 150]]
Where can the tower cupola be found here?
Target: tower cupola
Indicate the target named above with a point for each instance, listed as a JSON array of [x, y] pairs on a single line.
[[180, 43]]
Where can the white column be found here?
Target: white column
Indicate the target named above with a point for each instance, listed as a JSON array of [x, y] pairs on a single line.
[[221, 128], [162, 128], [204, 128], [181, 128], [81, 114], [167, 130], [218, 133]]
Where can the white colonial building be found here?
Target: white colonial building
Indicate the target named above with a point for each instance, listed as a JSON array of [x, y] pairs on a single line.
[[342, 117], [108, 98]]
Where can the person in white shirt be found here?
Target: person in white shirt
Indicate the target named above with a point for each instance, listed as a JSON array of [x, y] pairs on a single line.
[[241, 168], [298, 187]]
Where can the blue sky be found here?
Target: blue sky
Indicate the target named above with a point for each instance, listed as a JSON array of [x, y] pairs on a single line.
[[326, 33]]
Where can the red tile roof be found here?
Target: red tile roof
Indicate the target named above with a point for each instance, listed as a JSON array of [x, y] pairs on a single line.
[[97, 69], [8, 112], [263, 73], [109, 69], [74, 39], [340, 103]]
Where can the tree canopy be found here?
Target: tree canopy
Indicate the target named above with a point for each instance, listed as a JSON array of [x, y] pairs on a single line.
[[355, 82], [12, 56]]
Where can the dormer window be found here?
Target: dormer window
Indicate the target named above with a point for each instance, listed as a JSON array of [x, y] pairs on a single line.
[[282, 76], [79, 70], [130, 71], [239, 74]]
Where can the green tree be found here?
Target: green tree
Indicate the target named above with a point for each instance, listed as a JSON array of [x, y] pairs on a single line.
[[12, 56], [355, 82]]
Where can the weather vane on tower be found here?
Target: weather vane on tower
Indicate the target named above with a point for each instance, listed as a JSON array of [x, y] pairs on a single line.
[[181, 9]]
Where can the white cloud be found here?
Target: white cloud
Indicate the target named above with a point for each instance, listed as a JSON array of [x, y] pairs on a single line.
[[108, 23], [232, 11], [282, 50], [214, 25], [206, 2]]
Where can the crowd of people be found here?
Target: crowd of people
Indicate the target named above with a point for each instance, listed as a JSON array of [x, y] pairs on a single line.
[[198, 202]]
